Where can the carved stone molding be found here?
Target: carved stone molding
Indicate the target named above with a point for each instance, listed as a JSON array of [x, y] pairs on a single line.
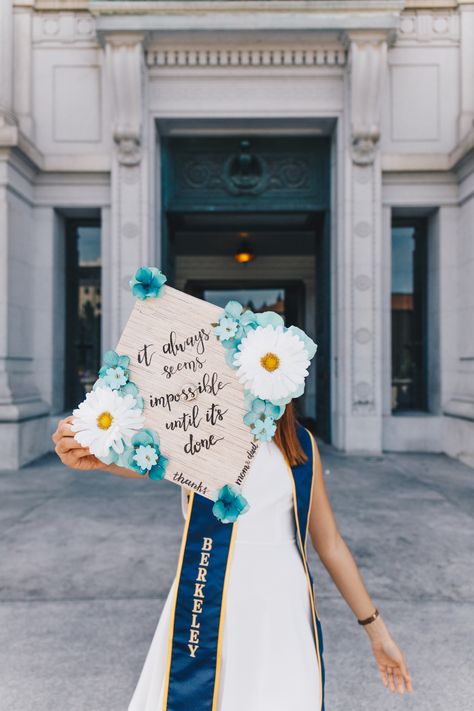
[[57, 28], [124, 57], [246, 57], [367, 72], [436, 27]]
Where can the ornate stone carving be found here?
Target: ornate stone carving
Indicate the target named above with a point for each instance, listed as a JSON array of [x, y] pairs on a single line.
[[246, 172], [367, 70], [438, 27], [189, 56], [124, 56]]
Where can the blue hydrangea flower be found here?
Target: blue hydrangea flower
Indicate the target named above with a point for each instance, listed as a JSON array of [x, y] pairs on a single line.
[[145, 457], [147, 282], [264, 429], [115, 378], [229, 504]]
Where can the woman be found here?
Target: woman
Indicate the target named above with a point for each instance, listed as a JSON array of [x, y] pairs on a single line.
[[268, 638]]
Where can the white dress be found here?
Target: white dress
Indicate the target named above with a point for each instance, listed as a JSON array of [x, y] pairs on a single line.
[[268, 658]]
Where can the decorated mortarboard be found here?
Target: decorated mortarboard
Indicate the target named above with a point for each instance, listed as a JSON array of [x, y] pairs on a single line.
[[192, 390]]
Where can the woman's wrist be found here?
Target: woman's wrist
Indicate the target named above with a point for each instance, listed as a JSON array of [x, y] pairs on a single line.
[[376, 630]]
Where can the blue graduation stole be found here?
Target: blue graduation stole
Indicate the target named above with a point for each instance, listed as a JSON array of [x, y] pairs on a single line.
[[192, 678]]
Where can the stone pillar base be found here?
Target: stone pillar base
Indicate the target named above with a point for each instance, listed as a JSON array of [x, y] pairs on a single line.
[[24, 433]]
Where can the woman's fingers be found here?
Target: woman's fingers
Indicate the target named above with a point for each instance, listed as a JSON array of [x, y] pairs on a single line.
[[405, 675], [63, 429], [383, 676], [399, 681], [391, 683], [65, 444]]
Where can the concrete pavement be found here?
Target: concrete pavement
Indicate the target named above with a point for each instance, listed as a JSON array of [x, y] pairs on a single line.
[[86, 560]]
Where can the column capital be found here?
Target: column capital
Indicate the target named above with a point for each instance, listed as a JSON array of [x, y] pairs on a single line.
[[124, 53], [367, 70]]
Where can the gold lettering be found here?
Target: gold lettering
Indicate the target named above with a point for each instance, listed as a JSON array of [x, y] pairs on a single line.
[[206, 544], [193, 636], [197, 606], [198, 590], [202, 572], [204, 559], [193, 649], [195, 623]]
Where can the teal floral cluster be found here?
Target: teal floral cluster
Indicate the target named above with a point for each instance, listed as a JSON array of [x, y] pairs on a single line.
[[229, 504], [232, 327], [143, 455], [115, 375]]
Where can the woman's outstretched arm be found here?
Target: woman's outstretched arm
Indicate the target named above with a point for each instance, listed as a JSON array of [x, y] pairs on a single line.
[[74, 456], [338, 561]]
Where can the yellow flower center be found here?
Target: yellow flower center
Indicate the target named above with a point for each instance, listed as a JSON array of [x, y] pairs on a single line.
[[104, 420], [270, 361]]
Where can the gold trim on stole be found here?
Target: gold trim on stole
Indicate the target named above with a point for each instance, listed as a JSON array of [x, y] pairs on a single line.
[[221, 620], [305, 566], [175, 597]]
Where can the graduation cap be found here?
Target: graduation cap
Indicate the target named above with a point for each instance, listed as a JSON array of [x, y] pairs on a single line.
[[192, 389]]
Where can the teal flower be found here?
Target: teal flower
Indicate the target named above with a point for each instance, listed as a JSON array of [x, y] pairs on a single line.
[[309, 344], [269, 318], [258, 408], [112, 359], [145, 457], [115, 378], [131, 389], [147, 282], [264, 429], [229, 504]]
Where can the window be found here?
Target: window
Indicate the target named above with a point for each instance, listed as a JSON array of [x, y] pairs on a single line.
[[83, 308], [408, 307]]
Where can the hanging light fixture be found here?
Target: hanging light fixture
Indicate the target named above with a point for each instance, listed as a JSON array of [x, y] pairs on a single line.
[[244, 254]]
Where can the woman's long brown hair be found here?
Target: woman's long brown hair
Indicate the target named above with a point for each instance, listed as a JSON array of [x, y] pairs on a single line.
[[286, 438]]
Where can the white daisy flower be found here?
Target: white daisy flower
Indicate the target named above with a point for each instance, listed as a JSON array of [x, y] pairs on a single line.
[[272, 363], [105, 421]]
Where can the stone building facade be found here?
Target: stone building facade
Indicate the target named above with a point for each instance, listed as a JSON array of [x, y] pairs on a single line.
[[335, 138]]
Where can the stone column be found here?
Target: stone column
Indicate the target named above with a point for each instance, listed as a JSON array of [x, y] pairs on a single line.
[[6, 64], [363, 242], [466, 114], [125, 80]]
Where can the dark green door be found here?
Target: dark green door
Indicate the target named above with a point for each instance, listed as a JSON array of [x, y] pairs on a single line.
[[275, 189]]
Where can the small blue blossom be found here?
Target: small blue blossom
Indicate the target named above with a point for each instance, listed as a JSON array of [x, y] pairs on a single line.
[[264, 429], [226, 329], [229, 504], [147, 282], [234, 324], [145, 457], [115, 378]]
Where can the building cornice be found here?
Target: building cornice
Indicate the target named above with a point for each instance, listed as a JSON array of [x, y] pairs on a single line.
[[234, 15]]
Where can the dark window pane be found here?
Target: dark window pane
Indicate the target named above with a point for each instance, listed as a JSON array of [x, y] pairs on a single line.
[[257, 300], [409, 276], [83, 297]]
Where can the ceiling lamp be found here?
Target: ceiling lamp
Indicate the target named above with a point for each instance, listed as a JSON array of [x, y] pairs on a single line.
[[244, 254]]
